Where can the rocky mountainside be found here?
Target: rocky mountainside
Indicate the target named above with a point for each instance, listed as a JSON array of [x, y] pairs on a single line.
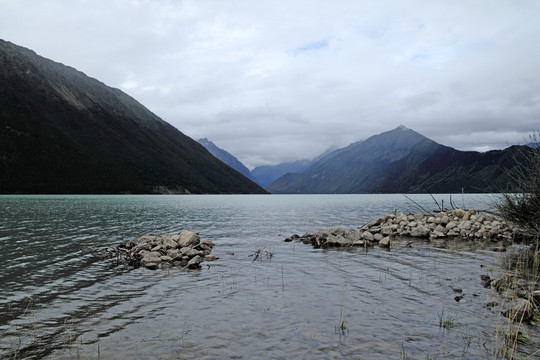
[[63, 132], [226, 157], [403, 161]]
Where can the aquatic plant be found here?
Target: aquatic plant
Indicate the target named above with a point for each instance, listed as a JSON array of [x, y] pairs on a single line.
[[446, 322]]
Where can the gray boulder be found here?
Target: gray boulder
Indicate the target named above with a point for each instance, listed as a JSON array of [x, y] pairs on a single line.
[[187, 238], [420, 231]]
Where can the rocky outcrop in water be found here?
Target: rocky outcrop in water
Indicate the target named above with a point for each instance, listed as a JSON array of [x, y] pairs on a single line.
[[184, 250], [459, 223]]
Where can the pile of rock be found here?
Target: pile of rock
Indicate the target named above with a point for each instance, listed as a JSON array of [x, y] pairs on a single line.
[[337, 237], [459, 223], [184, 250], [465, 224]]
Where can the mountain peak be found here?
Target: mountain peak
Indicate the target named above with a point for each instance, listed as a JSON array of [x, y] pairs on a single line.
[[402, 128]]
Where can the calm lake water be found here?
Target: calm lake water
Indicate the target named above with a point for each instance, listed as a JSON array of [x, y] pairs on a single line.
[[62, 298]]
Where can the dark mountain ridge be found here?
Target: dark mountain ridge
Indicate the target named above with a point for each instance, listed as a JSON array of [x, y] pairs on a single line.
[[403, 161], [226, 157], [63, 132]]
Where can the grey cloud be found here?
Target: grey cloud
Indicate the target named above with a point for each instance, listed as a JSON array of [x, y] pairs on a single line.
[[274, 81]]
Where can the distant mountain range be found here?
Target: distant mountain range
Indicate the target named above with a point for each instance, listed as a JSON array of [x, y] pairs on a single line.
[[63, 132], [396, 161], [226, 158], [403, 161], [265, 175]]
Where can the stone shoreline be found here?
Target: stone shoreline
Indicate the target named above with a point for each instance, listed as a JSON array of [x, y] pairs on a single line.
[[184, 250], [452, 224]]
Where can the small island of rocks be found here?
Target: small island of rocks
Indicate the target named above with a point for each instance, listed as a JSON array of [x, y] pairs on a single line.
[[451, 224], [184, 250]]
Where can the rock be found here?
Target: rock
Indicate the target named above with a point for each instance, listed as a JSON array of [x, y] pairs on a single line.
[[141, 247], [211, 244], [210, 258], [352, 235], [491, 304], [151, 265], [486, 280], [459, 213], [366, 235], [187, 238], [385, 242], [173, 254], [441, 229], [130, 245], [168, 242], [420, 231], [147, 239], [194, 262], [338, 240], [190, 252], [387, 230], [520, 310], [336, 230], [465, 225], [458, 298], [451, 225], [377, 237]]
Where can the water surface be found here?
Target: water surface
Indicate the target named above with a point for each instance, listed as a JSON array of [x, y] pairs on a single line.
[[62, 297]]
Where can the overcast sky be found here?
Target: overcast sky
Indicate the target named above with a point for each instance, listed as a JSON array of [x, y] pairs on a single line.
[[273, 81]]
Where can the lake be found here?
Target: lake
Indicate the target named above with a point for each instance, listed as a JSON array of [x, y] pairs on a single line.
[[62, 297]]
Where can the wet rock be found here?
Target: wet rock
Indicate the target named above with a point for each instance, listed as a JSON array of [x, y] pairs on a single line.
[[151, 265], [211, 244], [195, 262], [385, 242], [486, 280]]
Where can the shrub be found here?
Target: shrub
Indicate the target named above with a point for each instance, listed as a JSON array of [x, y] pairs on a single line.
[[522, 207]]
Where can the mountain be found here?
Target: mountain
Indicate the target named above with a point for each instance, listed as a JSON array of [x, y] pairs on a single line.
[[269, 173], [226, 157], [403, 161], [64, 132]]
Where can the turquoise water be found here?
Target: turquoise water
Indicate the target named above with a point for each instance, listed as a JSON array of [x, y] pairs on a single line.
[[63, 297]]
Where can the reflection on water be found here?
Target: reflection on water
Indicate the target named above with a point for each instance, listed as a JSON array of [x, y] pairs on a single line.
[[62, 297]]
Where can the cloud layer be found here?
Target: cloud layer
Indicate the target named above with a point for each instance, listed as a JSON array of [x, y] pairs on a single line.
[[274, 81]]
